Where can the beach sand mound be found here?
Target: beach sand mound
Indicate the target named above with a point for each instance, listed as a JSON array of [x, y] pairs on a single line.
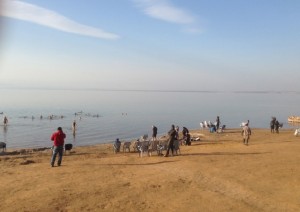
[[217, 173]]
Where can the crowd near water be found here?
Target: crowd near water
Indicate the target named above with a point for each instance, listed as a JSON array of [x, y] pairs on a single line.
[[103, 116]]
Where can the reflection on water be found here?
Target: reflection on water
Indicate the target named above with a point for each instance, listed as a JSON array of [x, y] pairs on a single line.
[[5, 133], [74, 137], [294, 124]]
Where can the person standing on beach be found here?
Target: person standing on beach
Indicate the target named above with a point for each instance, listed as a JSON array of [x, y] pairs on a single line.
[[117, 145], [276, 126], [154, 133], [172, 135], [58, 139], [185, 131], [186, 136], [217, 123], [272, 124], [246, 134]]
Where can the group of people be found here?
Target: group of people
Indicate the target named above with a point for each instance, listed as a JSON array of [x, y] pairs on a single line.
[[275, 125], [246, 132], [173, 134], [213, 127]]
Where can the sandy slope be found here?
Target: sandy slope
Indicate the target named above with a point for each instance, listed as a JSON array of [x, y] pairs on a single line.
[[218, 173]]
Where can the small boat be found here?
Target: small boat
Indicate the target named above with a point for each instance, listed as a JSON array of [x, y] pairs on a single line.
[[294, 119]]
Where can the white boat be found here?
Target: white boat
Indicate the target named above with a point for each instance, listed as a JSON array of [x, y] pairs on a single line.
[[294, 119]]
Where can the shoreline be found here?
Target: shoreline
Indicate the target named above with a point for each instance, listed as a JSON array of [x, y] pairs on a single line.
[[163, 137]]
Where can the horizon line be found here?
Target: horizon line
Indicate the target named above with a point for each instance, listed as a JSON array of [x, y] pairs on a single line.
[[155, 90]]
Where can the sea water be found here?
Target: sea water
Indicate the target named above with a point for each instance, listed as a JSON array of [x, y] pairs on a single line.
[[104, 115]]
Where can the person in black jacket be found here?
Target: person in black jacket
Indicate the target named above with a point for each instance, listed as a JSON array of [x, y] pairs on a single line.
[[187, 139], [117, 145], [272, 124], [217, 123], [185, 131], [172, 135], [277, 125], [154, 133]]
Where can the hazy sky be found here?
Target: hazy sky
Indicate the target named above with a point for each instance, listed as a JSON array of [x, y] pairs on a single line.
[[150, 44]]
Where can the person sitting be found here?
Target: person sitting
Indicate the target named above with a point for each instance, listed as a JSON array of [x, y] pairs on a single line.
[[212, 128]]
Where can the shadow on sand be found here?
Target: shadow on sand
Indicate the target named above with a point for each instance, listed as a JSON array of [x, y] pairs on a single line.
[[225, 153], [136, 164]]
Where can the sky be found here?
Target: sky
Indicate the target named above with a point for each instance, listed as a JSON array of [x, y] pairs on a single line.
[[189, 45]]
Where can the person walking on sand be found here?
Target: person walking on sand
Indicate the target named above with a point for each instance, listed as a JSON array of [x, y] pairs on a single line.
[[276, 126], [58, 139], [246, 134], [272, 124], [172, 135], [154, 133]]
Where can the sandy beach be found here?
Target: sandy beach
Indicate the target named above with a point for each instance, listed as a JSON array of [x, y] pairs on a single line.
[[217, 173]]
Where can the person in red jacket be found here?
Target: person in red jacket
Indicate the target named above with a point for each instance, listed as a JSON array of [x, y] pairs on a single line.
[[58, 139]]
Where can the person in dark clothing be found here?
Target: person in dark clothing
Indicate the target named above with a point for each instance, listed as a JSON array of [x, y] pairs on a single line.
[[117, 145], [187, 139], [272, 124], [276, 126], [185, 131], [186, 136], [154, 133], [217, 123], [58, 139], [172, 135]]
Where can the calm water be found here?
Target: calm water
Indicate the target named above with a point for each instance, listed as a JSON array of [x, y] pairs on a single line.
[[130, 114]]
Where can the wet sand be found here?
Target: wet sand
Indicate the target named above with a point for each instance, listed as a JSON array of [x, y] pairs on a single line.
[[218, 173]]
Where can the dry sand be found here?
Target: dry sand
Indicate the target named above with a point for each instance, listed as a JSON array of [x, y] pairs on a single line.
[[218, 173]]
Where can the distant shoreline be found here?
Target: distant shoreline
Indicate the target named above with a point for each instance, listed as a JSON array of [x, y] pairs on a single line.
[[155, 91], [192, 131]]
